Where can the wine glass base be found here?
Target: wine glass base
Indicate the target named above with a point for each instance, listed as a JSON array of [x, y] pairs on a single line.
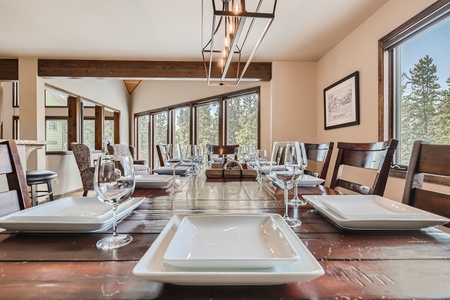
[[297, 202], [292, 222], [114, 242]]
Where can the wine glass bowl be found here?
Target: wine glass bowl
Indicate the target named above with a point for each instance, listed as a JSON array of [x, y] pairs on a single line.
[[287, 154], [114, 183], [173, 159]]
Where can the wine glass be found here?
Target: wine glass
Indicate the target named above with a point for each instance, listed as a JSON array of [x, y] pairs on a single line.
[[114, 183], [304, 163], [289, 176], [209, 152], [260, 160], [173, 159], [191, 153], [251, 150]]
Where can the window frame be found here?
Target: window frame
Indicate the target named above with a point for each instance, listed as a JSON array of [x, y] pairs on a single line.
[[387, 66]]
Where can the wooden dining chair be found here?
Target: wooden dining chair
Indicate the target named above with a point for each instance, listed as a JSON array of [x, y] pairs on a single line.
[[318, 153], [428, 159], [374, 156], [224, 150], [16, 196], [161, 150]]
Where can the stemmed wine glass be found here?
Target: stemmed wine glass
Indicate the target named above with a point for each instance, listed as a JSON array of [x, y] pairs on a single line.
[[173, 159], [114, 183], [209, 152], [251, 150], [191, 153], [260, 160], [304, 163], [288, 177]]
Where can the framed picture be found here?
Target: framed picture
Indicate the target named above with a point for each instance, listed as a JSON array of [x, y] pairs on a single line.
[[341, 102]]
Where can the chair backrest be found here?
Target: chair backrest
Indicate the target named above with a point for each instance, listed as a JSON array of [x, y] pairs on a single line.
[[119, 149], [82, 155], [376, 156], [434, 160], [16, 197], [161, 150], [132, 150], [319, 153], [224, 150]]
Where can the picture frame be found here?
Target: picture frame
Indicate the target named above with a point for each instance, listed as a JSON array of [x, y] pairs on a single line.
[[341, 102]]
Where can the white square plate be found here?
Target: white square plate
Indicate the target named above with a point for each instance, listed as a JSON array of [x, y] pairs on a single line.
[[229, 242], [73, 214], [370, 212], [308, 180], [154, 181], [152, 266]]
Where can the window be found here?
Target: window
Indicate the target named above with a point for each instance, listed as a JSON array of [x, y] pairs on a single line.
[[56, 134], [221, 120], [418, 69], [142, 137], [55, 98], [242, 119]]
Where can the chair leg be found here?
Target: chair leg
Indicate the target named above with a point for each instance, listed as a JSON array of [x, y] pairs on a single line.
[[33, 194], [85, 193], [50, 190]]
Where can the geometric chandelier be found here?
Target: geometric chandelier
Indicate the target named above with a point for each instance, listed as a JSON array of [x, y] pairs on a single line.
[[236, 30]]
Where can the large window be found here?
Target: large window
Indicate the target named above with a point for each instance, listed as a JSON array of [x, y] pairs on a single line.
[[220, 120], [418, 68], [56, 134]]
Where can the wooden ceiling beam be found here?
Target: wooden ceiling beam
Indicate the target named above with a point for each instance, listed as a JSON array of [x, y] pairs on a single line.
[[9, 69], [142, 69]]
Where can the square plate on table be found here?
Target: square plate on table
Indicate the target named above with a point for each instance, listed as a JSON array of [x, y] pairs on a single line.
[[266, 169], [72, 214], [308, 180], [153, 267], [180, 170], [229, 242], [371, 212], [154, 181]]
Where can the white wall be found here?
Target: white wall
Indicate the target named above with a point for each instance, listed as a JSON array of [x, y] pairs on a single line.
[[359, 52]]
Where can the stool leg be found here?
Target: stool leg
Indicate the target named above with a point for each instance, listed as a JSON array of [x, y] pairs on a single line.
[[33, 194], [50, 190]]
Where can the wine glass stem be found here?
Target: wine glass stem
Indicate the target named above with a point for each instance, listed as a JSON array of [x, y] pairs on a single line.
[[114, 209], [296, 192], [173, 177], [285, 191]]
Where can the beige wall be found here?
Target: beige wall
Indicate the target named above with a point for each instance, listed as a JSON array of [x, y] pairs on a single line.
[[358, 52]]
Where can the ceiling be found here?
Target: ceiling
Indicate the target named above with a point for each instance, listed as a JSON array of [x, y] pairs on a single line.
[[303, 30]]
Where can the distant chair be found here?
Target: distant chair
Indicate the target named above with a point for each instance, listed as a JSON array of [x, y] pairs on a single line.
[[140, 165], [224, 150], [16, 197], [82, 155], [320, 153], [161, 151], [375, 156], [428, 159]]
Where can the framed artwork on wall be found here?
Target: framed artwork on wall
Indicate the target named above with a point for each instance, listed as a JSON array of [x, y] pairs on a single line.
[[341, 102]]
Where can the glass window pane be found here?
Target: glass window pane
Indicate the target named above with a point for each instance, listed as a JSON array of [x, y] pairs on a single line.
[[159, 133], [56, 134], [208, 124], [423, 89], [182, 124], [142, 137], [109, 130], [242, 120], [89, 133], [55, 98]]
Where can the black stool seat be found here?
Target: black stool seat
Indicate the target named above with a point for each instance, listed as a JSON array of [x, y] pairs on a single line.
[[37, 177]]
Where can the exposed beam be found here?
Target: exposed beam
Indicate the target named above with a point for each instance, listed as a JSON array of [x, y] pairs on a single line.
[[9, 69], [142, 69]]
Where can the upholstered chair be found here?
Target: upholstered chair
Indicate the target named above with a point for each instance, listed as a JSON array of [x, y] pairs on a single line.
[[140, 165], [82, 155]]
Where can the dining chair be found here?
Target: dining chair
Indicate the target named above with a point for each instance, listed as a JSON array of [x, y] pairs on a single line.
[[224, 150], [16, 197], [161, 150], [140, 165], [373, 156], [82, 155], [318, 154], [428, 159]]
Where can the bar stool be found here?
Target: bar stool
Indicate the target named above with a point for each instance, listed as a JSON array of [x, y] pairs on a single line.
[[37, 177]]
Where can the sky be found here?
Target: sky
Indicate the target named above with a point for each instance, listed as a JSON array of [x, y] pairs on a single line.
[[435, 42]]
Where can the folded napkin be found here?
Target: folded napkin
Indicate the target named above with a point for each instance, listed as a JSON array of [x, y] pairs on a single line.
[[180, 170]]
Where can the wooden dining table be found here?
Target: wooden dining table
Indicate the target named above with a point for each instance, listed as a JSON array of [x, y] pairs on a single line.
[[359, 264]]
